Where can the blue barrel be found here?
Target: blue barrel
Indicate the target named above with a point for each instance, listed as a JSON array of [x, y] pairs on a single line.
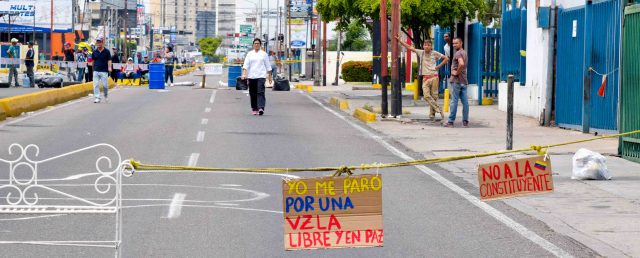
[[234, 72], [156, 76]]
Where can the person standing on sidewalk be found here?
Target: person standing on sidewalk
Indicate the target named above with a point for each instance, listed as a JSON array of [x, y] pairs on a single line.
[[12, 53], [115, 59], [101, 69], [458, 85], [28, 62], [81, 57], [272, 60], [70, 59], [429, 71], [169, 59], [256, 66], [89, 74]]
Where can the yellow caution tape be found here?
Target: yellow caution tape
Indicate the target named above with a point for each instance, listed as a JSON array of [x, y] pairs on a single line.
[[349, 169]]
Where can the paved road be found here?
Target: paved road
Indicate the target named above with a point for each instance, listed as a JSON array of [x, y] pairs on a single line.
[[240, 215]]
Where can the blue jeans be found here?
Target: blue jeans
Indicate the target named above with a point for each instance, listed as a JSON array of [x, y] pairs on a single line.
[[80, 76], [458, 92], [274, 71], [100, 77], [13, 73], [168, 73]]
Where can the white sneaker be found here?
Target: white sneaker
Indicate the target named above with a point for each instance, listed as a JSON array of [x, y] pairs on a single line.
[[171, 85], [97, 100]]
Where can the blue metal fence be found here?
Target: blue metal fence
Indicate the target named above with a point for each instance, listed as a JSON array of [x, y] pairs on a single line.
[[570, 69], [569, 66], [510, 45], [484, 61], [438, 45]]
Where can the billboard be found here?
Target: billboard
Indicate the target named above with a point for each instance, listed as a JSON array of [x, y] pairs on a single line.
[[298, 34], [28, 16]]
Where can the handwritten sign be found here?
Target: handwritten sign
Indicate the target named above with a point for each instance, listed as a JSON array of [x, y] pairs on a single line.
[[515, 177], [213, 69], [333, 212]]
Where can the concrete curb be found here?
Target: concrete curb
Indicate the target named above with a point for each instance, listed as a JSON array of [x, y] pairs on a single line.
[[364, 115], [16, 105], [304, 87], [184, 71], [339, 103]]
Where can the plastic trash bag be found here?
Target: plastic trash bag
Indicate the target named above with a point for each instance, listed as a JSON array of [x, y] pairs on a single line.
[[589, 165]]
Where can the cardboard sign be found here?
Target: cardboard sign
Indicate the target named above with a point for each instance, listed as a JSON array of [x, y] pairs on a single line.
[[515, 177], [213, 69], [333, 212]]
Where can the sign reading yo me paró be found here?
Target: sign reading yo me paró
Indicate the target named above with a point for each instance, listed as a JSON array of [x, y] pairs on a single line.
[[332, 212]]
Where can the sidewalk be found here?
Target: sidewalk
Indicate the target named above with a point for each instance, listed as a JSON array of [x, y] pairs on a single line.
[[603, 215]]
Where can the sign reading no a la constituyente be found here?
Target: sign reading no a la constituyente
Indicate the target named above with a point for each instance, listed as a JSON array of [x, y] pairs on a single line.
[[515, 177], [332, 212]]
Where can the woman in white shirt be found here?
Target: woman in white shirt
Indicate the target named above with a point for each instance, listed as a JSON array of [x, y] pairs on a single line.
[[256, 67]]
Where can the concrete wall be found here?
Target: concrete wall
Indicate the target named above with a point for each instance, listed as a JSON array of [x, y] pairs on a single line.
[[531, 99]]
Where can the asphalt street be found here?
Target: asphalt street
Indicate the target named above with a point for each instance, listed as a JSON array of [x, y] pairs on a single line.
[[202, 214]]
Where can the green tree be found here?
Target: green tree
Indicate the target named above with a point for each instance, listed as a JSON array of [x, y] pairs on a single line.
[[493, 12], [356, 38], [418, 15], [208, 46]]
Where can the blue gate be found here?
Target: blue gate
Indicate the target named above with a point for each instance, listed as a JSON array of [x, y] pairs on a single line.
[[438, 45], [484, 59], [514, 35], [569, 93]]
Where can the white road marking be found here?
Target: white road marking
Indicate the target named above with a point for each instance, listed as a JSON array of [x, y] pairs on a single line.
[[175, 208], [34, 217], [522, 230], [201, 206], [193, 159], [213, 96], [207, 110], [226, 204], [200, 136], [231, 185], [204, 121]]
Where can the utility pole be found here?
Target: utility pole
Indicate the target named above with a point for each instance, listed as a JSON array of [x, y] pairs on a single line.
[[324, 54], [126, 17], [338, 58], [396, 96], [317, 79], [289, 39], [383, 56]]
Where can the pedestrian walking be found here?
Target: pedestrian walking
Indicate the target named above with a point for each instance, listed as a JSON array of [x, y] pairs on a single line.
[[28, 62], [12, 53], [256, 66], [81, 58], [70, 59], [428, 69], [458, 87], [101, 68], [169, 59], [115, 59]]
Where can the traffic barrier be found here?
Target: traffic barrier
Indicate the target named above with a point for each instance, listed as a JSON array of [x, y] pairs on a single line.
[[16, 105], [364, 115], [339, 103]]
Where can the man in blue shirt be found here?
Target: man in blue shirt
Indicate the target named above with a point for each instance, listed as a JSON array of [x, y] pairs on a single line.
[[13, 54], [28, 62], [101, 69]]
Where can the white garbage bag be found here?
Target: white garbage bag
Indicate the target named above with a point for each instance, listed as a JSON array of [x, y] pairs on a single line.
[[589, 165]]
